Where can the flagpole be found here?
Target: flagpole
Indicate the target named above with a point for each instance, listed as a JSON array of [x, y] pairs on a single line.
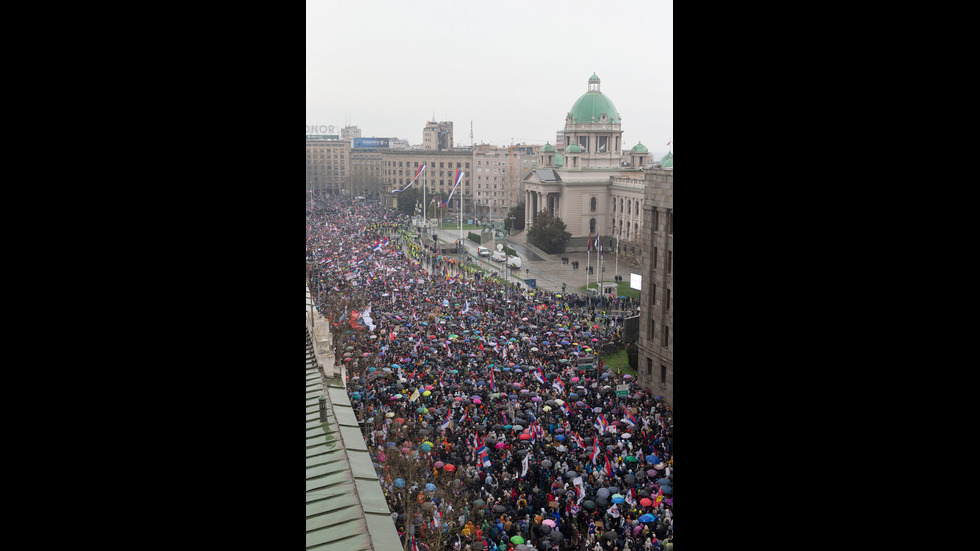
[[425, 220]]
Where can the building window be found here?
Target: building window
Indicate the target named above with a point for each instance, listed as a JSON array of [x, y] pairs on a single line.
[[591, 225], [592, 204], [652, 331], [602, 144], [663, 374], [656, 219], [666, 335], [668, 298], [670, 223], [656, 255], [670, 260], [649, 367], [653, 295]]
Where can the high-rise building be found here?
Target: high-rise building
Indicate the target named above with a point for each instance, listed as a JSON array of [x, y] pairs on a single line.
[[437, 136]]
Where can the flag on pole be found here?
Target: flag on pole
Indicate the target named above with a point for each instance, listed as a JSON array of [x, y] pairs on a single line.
[[459, 178], [417, 174], [559, 385], [524, 465], [608, 467], [598, 243], [415, 395], [566, 409], [601, 424], [595, 448], [670, 140], [539, 375], [659, 497], [630, 419], [449, 419], [590, 242]]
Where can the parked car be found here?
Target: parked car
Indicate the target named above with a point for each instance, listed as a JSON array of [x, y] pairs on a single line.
[[498, 256], [483, 251]]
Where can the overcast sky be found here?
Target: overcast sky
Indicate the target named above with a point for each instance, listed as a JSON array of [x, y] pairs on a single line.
[[513, 68]]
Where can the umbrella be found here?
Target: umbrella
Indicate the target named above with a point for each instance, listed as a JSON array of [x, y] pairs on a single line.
[[549, 522], [588, 504], [499, 509], [603, 492], [438, 464], [516, 539], [449, 467], [667, 490], [618, 498], [525, 436], [399, 483], [479, 502], [571, 474], [546, 464], [429, 487], [647, 517], [646, 503], [611, 535]]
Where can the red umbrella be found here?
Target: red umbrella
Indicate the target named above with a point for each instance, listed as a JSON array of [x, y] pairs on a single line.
[[449, 467], [646, 502], [525, 436]]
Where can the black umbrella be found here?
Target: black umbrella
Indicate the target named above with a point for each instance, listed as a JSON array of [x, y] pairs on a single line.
[[611, 535], [571, 474], [588, 504], [546, 464], [499, 509]]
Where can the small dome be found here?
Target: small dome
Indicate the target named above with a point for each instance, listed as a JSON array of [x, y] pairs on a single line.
[[574, 148], [559, 160], [548, 147], [639, 148], [667, 161]]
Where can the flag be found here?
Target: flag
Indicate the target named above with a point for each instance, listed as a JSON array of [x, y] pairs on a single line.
[[601, 424], [459, 178], [421, 168], [484, 457], [659, 497], [467, 309], [590, 242], [415, 395], [598, 244], [492, 384], [565, 409], [363, 319], [539, 375], [559, 385], [524, 464], [578, 440], [608, 467], [449, 419], [670, 140], [595, 448], [630, 419]]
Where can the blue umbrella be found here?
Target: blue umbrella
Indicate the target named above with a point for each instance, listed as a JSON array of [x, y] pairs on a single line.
[[667, 490], [399, 483], [560, 437], [647, 518], [652, 459], [430, 487], [618, 499]]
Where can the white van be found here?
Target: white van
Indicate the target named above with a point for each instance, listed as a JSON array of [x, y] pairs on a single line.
[[498, 256], [514, 261], [483, 251]]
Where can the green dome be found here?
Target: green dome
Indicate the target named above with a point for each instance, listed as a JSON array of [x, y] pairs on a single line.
[[574, 148], [667, 161], [639, 148], [593, 103], [559, 160], [548, 147]]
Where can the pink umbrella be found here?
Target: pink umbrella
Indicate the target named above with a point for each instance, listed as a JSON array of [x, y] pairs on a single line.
[[477, 401], [574, 379], [500, 445], [549, 522]]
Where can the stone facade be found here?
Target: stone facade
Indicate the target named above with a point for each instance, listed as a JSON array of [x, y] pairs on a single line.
[[655, 369], [399, 167], [327, 166]]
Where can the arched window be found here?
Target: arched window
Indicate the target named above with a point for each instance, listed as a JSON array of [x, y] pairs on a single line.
[[593, 204], [592, 225]]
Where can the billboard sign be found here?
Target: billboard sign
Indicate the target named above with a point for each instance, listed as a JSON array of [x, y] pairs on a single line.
[[635, 280], [371, 142]]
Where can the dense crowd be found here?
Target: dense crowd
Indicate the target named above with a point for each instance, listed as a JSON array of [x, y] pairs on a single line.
[[491, 419]]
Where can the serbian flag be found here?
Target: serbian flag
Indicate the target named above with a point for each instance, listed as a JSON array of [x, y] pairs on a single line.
[[601, 424], [595, 448], [578, 440], [608, 467], [417, 174], [630, 419], [566, 409], [492, 384], [459, 178], [449, 419], [485, 457], [559, 385], [539, 375], [590, 242]]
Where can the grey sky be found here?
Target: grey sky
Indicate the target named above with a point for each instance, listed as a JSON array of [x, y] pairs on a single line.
[[513, 68]]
